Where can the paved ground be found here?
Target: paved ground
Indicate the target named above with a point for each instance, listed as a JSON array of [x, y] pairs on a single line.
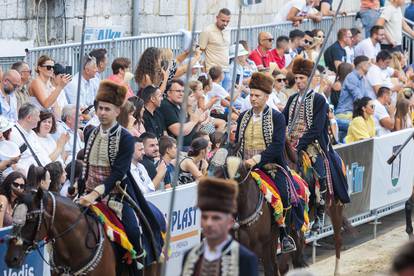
[[362, 255]]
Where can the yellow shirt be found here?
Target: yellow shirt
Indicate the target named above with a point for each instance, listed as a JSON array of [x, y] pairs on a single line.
[[360, 129], [215, 43]]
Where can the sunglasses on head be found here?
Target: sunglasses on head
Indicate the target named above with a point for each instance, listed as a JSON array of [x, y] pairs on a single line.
[[48, 67], [18, 185]]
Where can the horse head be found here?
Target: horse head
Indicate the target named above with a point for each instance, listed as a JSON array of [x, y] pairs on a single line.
[[27, 228], [227, 163]]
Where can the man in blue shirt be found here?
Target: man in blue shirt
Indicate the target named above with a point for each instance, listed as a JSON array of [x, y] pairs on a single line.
[[354, 87], [8, 101], [409, 13], [336, 54]]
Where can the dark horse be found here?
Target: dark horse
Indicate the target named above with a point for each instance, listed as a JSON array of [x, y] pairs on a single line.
[[255, 227], [79, 244], [258, 232]]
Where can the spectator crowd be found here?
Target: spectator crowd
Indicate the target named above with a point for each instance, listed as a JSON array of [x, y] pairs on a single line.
[[364, 76]]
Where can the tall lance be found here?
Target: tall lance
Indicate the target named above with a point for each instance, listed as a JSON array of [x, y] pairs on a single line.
[[180, 140], [71, 188], [295, 116]]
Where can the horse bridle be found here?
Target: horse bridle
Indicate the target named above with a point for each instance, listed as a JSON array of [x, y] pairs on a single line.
[[39, 214], [34, 245]]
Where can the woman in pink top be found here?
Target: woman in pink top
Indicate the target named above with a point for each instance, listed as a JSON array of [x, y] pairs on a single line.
[[121, 74]]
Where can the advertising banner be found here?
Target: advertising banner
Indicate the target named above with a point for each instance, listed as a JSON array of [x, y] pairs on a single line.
[[32, 266], [392, 183], [358, 162], [185, 227]]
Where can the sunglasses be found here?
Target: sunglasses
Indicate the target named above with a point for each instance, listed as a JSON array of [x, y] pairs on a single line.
[[269, 39], [18, 185], [48, 67], [281, 80], [308, 42]]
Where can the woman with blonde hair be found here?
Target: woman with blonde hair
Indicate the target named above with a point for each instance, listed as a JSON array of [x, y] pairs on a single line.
[[46, 91]]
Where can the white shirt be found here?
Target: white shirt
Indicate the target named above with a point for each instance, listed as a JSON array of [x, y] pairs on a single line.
[[219, 91], [378, 76], [393, 23], [212, 255], [379, 114], [88, 91], [298, 4], [26, 158], [9, 109], [273, 101], [69, 144], [368, 49], [350, 54], [141, 177], [49, 145]]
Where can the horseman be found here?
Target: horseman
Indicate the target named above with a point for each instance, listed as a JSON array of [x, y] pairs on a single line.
[[308, 138], [261, 134], [108, 154], [218, 254]]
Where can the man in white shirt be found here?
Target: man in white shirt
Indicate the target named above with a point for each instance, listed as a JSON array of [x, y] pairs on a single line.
[[100, 55], [24, 136], [371, 46], [297, 11], [87, 90], [350, 49], [393, 21], [384, 112], [68, 125], [8, 101], [138, 171], [379, 75]]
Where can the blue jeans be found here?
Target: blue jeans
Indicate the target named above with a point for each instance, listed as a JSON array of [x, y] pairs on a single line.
[[343, 125], [369, 19]]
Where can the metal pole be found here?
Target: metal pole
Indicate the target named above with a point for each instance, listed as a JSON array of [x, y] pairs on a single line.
[[80, 67], [233, 81], [135, 17], [180, 140], [325, 42]]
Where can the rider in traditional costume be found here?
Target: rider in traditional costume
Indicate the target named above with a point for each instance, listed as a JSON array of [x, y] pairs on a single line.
[[308, 137], [218, 254], [261, 133], [108, 154]]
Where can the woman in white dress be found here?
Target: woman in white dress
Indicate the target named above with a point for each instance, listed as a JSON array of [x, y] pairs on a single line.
[[47, 94], [45, 127]]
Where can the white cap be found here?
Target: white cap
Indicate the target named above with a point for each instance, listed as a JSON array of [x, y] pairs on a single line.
[[242, 51], [5, 124], [8, 150]]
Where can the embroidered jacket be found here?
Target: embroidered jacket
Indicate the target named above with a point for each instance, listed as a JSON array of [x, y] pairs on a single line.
[[235, 260], [274, 129]]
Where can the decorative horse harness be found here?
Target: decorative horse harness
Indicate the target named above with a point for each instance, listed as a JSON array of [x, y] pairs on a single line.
[[21, 215]]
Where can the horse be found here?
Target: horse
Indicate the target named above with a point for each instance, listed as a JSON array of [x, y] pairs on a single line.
[[77, 240], [254, 229]]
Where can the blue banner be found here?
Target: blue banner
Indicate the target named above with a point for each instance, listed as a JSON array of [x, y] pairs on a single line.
[[32, 266]]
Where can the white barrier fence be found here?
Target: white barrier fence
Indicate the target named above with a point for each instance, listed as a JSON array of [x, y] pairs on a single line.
[[376, 189]]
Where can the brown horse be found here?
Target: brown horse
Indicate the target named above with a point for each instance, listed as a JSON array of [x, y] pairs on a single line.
[[79, 244], [254, 228]]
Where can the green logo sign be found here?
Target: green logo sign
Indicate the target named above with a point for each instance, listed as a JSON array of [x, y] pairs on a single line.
[[395, 167]]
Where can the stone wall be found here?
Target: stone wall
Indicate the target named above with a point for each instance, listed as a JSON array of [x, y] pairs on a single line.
[[25, 19]]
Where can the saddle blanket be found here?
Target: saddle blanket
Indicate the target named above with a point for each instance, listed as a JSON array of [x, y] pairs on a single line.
[[272, 195], [114, 229]]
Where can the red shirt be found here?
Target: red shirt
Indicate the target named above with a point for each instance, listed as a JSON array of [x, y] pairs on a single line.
[[259, 57], [281, 62]]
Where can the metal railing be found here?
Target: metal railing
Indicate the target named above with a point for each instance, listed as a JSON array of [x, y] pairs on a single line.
[[133, 47]]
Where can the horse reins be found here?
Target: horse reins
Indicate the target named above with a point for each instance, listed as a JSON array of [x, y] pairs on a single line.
[[34, 245]]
